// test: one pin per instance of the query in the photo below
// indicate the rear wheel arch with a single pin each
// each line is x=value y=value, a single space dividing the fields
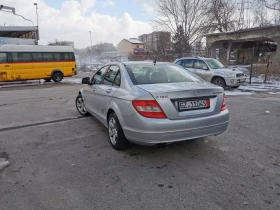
x=57 y=75
x=113 y=107
x=57 y=70
x=110 y=111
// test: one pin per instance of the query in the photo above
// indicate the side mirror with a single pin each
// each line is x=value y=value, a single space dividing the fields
x=205 y=68
x=86 y=80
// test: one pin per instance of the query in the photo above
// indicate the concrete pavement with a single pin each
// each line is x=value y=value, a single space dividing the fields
x=71 y=164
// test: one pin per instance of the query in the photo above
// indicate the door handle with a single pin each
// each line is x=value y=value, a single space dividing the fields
x=7 y=65
x=108 y=90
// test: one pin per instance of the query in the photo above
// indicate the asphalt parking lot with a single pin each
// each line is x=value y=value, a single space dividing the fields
x=60 y=161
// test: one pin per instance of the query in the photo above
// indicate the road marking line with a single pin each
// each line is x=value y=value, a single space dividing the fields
x=40 y=123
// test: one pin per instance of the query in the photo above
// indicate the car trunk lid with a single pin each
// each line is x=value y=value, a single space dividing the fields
x=170 y=96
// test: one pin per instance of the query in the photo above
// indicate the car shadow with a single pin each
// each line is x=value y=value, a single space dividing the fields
x=201 y=147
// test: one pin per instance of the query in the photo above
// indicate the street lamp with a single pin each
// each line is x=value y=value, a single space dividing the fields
x=90 y=43
x=36 y=5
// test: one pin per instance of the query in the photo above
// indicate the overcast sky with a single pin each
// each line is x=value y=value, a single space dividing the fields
x=71 y=20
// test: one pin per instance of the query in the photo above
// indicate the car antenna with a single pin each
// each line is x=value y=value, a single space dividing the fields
x=155 y=61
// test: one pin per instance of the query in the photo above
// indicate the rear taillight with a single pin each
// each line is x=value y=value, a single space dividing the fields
x=224 y=106
x=148 y=108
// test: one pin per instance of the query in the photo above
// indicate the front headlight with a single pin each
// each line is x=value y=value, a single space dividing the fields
x=231 y=75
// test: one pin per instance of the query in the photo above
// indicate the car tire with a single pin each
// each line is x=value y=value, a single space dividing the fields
x=57 y=77
x=116 y=134
x=81 y=106
x=48 y=80
x=219 y=81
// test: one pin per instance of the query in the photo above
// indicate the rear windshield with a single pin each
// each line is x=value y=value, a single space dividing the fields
x=159 y=73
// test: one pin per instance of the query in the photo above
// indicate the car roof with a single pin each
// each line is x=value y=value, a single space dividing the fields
x=143 y=62
x=197 y=57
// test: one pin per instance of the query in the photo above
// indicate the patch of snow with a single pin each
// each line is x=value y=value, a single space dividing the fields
x=238 y=93
x=3 y=163
x=259 y=88
x=273 y=93
x=267 y=112
x=72 y=80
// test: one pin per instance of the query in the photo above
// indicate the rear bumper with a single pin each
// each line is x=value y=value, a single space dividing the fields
x=237 y=81
x=147 y=131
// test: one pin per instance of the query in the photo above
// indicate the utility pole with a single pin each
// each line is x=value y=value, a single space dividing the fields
x=36 y=5
x=90 y=43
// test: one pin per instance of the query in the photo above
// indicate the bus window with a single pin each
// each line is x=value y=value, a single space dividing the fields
x=37 y=57
x=57 y=56
x=21 y=57
x=3 y=57
x=66 y=56
x=47 y=56
x=72 y=56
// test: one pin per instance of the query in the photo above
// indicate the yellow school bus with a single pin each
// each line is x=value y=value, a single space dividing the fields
x=28 y=62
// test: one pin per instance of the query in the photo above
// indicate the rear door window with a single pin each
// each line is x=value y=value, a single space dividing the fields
x=3 y=57
x=199 y=64
x=187 y=63
x=117 y=81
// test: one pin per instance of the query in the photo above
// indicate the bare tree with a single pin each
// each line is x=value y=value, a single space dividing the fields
x=272 y=4
x=56 y=42
x=191 y=14
x=221 y=15
x=264 y=15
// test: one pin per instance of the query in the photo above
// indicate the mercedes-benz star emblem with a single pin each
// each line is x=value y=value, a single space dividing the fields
x=196 y=93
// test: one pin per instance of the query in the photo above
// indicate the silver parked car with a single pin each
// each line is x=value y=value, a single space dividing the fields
x=211 y=70
x=152 y=103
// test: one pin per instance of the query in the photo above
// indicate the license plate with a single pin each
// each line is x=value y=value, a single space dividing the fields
x=242 y=80
x=191 y=105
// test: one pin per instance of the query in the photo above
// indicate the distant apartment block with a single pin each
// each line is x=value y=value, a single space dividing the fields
x=130 y=46
x=155 y=40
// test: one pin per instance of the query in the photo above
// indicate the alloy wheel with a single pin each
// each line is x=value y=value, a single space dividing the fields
x=113 y=131
x=81 y=106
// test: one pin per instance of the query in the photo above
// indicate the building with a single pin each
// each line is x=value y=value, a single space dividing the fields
x=130 y=46
x=110 y=54
x=26 y=35
x=103 y=47
x=156 y=40
x=245 y=43
x=62 y=43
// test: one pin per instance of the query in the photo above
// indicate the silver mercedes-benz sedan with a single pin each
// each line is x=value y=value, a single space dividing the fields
x=152 y=103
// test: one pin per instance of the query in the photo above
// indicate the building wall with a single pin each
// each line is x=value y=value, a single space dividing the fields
x=125 y=47
x=152 y=40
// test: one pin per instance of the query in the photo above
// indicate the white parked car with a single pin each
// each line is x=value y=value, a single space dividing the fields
x=213 y=71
